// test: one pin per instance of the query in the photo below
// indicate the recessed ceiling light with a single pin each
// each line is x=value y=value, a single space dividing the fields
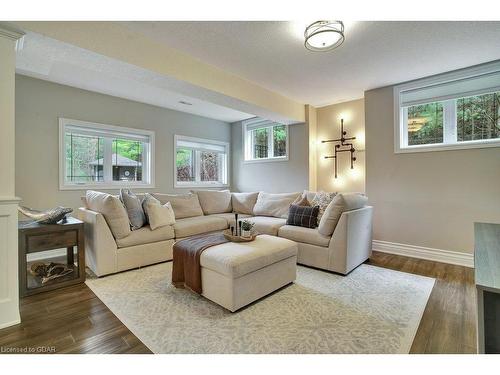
x=185 y=103
x=322 y=36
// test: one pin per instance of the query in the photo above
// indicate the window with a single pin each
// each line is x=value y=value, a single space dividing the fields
x=456 y=110
x=200 y=162
x=104 y=156
x=265 y=140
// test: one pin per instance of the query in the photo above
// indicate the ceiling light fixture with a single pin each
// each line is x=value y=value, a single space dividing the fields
x=322 y=36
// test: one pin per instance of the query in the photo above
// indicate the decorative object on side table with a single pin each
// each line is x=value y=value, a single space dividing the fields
x=50 y=216
x=36 y=238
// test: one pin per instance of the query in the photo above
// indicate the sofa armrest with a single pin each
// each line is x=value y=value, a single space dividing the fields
x=100 y=245
x=351 y=242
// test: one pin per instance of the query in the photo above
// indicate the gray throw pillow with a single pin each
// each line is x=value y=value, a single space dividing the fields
x=133 y=205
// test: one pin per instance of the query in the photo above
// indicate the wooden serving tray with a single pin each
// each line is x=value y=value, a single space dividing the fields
x=230 y=237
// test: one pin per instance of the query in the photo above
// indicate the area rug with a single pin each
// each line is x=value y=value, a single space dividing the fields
x=372 y=310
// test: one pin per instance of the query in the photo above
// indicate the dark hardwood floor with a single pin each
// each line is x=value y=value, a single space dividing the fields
x=74 y=320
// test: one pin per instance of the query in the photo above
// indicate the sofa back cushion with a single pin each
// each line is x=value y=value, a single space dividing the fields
x=303 y=216
x=113 y=211
x=275 y=205
x=339 y=204
x=184 y=205
x=243 y=203
x=213 y=201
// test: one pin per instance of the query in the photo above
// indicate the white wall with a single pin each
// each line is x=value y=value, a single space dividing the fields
x=276 y=176
x=428 y=199
x=39 y=104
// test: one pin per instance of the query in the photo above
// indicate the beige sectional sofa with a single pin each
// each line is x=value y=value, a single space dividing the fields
x=111 y=249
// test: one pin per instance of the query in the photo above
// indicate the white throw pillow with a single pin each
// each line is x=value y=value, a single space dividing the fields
x=214 y=201
x=322 y=199
x=339 y=204
x=243 y=203
x=275 y=205
x=113 y=211
x=184 y=205
x=158 y=215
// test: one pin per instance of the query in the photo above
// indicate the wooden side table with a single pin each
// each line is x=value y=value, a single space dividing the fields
x=35 y=238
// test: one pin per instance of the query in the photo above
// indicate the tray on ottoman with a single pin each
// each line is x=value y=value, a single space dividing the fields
x=236 y=274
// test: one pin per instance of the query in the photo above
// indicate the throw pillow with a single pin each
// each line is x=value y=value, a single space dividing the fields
x=339 y=204
x=158 y=215
x=303 y=216
x=184 y=205
x=134 y=209
x=274 y=205
x=302 y=201
x=213 y=201
x=243 y=203
x=113 y=211
x=322 y=199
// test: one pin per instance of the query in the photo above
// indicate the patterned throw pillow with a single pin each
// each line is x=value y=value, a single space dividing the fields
x=322 y=199
x=303 y=216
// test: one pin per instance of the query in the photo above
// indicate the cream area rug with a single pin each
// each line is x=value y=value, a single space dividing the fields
x=372 y=310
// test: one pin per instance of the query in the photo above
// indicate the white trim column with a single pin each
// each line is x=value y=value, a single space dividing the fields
x=10 y=40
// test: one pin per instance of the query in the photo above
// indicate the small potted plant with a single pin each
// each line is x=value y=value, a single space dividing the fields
x=246 y=228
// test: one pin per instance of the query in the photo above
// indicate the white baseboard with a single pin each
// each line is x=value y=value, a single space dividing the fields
x=420 y=252
x=49 y=254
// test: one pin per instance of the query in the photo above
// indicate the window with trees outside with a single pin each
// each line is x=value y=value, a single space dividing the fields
x=265 y=140
x=104 y=156
x=455 y=113
x=200 y=162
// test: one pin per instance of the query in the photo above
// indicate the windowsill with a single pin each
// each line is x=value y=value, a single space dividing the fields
x=264 y=160
x=201 y=185
x=449 y=146
x=107 y=186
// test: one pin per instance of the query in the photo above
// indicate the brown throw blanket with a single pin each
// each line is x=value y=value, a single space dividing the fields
x=186 y=268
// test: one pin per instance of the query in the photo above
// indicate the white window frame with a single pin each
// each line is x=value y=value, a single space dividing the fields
x=197 y=183
x=247 y=143
x=148 y=164
x=449 y=113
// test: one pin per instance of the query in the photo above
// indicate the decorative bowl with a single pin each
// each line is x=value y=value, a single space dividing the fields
x=232 y=238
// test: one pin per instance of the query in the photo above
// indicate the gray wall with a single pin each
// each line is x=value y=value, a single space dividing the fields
x=39 y=104
x=276 y=176
x=428 y=199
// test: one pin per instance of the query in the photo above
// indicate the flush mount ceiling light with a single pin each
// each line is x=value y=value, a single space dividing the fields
x=322 y=36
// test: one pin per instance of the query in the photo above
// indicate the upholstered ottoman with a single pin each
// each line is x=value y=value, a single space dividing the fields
x=236 y=274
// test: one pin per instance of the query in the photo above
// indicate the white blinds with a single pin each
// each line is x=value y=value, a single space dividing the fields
x=257 y=122
x=104 y=133
x=202 y=146
x=476 y=85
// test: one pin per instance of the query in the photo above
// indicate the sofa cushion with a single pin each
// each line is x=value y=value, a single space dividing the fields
x=158 y=215
x=113 y=211
x=213 y=201
x=304 y=235
x=275 y=205
x=133 y=205
x=184 y=205
x=229 y=217
x=322 y=199
x=146 y=235
x=234 y=259
x=267 y=225
x=303 y=216
x=200 y=224
x=243 y=203
x=339 y=204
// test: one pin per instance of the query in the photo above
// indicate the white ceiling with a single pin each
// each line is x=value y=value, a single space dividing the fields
x=374 y=54
x=59 y=62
